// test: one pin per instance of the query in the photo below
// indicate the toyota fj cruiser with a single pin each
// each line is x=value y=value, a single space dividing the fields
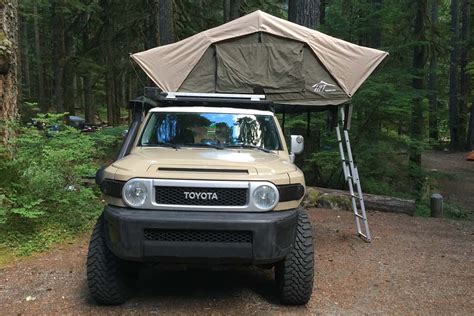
x=203 y=185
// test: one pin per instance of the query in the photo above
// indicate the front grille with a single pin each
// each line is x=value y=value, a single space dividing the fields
x=201 y=196
x=210 y=236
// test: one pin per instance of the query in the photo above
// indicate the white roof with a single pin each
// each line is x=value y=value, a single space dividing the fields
x=206 y=109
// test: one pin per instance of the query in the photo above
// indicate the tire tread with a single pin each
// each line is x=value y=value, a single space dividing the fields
x=105 y=277
x=295 y=274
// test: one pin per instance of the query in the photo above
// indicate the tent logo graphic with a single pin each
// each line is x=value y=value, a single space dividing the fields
x=324 y=87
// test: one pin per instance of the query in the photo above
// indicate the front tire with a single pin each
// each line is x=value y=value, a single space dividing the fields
x=294 y=275
x=105 y=272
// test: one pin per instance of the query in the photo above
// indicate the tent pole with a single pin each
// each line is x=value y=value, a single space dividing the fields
x=348 y=116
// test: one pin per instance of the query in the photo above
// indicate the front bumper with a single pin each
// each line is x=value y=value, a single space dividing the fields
x=180 y=236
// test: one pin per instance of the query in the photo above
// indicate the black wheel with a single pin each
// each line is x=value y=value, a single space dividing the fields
x=106 y=273
x=294 y=275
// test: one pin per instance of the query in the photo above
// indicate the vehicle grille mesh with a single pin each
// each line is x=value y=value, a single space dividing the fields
x=210 y=236
x=201 y=196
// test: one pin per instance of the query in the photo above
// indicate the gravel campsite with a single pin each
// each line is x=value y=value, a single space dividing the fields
x=413 y=266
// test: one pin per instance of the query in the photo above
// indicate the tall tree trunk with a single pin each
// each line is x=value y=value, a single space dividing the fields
x=152 y=24
x=433 y=78
x=8 y=66
x=59 y=52
x=39 y=62
x=111 y=62
x=465 y=78
x=304 y=12
x=68 y=78
x=234 y=10
x=453 y=78
x=226 y=10
x=470 y=133
x=419 y=60
x=376 y=40
x=117 y=97
x=25 y=60
x=110 y=83
x=166 y=23
x=87 y=77
x=89 y=108
x=123 y=87
x=110 y=95
x=79 y=87
x=322 y=11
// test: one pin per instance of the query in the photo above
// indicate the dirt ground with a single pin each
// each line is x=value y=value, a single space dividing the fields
x=457 y=183
x=413 y=266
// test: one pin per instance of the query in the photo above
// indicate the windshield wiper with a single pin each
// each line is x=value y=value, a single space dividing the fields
x=249 y=146
x=203 y=145
x=166 y=144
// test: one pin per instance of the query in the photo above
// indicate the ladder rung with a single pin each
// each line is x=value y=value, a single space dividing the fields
x=364 y=237
x=351 y=176
x=360 y=216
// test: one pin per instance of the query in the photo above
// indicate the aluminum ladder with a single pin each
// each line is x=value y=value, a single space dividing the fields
x=351 y=176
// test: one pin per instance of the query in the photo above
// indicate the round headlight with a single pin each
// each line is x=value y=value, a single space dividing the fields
x=265 y=197
x=135 y=193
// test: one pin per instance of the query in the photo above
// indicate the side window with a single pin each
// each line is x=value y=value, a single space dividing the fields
x=149 y=131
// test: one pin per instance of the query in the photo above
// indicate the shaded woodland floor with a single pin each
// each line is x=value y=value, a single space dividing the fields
x=456 y=180
x=413 y=266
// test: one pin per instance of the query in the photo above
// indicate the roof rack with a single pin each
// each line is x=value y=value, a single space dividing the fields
x=251 y=97
x=253 y=101
x=154 y=96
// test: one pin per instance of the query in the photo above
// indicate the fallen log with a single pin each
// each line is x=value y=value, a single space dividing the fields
x=337 y=199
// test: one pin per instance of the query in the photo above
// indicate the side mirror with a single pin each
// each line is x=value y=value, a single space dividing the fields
x=297 y=146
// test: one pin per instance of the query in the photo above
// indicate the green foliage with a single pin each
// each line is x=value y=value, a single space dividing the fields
x=326 y=167
x=470 y=68
x=423 y=208
x=43 y=196
x=450 y=210
x=455 y=211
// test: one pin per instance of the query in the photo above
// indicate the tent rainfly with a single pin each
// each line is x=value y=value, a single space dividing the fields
x=260 y=53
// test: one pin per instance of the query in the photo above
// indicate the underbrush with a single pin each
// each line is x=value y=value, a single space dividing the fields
x=450 y=210
x=382 y=163
x=44 y=198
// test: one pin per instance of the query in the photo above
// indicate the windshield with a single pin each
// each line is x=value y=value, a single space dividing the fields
x=211 y=130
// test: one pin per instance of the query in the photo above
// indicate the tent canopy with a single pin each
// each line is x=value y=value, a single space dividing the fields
x=289 y=63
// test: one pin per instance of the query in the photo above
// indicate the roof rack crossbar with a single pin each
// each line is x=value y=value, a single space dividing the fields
x=251 y=97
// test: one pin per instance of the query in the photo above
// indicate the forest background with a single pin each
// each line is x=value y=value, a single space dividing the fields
x=59 y=56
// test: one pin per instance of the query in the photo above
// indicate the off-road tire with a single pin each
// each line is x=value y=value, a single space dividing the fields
x=294 y=275
x=106 y=273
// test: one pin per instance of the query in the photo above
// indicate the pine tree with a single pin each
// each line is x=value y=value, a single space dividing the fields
x=8 y=65
x=453 y=77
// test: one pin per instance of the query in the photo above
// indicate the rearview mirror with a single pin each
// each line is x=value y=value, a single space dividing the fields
x=296 y=146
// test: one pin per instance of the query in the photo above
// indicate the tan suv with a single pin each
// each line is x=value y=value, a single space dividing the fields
x=212 y=186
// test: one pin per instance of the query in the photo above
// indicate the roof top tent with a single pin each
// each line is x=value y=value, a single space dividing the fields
x=259 y=53
x=297 y=69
